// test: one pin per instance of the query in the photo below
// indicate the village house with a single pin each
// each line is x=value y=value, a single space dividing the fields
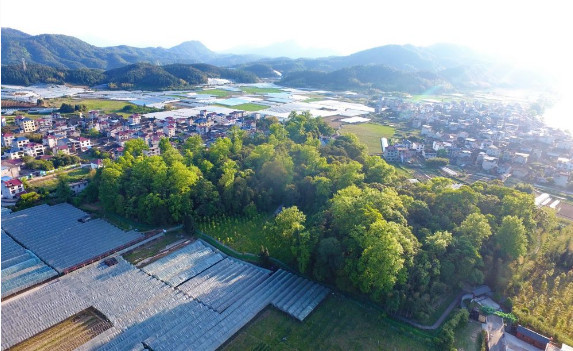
x=78 y=187
x=169 y=130
x=429 y=153
x=152 y=151
x=561 y=179
x=531 y=337
x=520 y=158
x=134 y=119
x=20 y=142
x=7 y=139
x=34 y=149
x=493 y=151
x=49 y=141
x=10 y=169
x=64 y=149
x=25 y=124
x=12 y=188
x=95 y=164
x=14 y=154
x=85 y=144
x=489 y=163
x=44 y=123
x=564 y=164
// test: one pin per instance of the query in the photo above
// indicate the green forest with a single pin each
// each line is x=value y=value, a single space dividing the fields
x=135 y=76
x=348 y=219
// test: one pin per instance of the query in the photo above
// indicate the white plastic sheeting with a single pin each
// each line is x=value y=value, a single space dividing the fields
x=56 y=236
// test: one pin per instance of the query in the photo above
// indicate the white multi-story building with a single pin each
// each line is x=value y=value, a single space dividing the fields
x=12 y=188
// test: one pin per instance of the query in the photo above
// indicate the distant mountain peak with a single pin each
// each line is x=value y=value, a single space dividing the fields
x=64 y=51
x=14 y=33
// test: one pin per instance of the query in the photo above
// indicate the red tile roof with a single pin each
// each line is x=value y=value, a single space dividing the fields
x=13 y=182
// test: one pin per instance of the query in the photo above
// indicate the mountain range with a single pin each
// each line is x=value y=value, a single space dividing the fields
x=400 y=67
x=62 y=51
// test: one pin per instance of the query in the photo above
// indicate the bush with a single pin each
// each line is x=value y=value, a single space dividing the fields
x=437 y=162
x=483 y=341
x=445 y=339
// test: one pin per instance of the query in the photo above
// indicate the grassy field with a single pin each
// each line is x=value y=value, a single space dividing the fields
x=216 y=92
x=249 y=107
x=337 y=324
x=261 y=91
x=67 y=335
x=50 y=182
x=467 y=338
x=78 y=174
x=369 y=134
x=245 y=235
x=109 y=106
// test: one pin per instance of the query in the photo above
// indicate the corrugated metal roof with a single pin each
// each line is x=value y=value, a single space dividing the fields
x=531 y=334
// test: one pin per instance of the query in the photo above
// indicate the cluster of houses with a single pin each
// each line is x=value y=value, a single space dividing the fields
x=111 y=131
x=501 y=336
x=500 y=139
x=58 y=135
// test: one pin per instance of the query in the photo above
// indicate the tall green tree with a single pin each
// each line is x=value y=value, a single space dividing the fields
x=135 y=147
x=476 y=228
x=511 y=237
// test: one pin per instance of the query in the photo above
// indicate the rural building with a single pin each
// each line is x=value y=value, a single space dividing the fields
x=532 y=337
x=14 y=154
x=12 y=188
x=20 y=142
x=489 y=163
x=78 y=187
x=10 y=170
x=520 y=158
x=7 y=139
x=27 y=125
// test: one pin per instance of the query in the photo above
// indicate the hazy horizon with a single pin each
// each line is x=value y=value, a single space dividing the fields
x=523 y=32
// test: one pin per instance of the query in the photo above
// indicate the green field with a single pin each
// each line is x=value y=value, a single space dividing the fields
x=338 y=323
x=262 y=91
x=244 y=235
x=313 y=99
x=369 y=134
x=216 y=92
x=467 y=337
x=249 y=107
x=51 y=182
x=109 y=106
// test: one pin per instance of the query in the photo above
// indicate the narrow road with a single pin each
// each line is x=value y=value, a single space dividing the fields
x=440 y=320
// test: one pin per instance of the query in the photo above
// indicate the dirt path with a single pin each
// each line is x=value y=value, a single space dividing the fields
x=440 y=320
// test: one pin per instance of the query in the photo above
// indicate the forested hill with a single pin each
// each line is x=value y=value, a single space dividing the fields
x=390 y=67
x=385 y=78
x=136 y=76
x=351 y=220
x=361 y=78
x=66 y=52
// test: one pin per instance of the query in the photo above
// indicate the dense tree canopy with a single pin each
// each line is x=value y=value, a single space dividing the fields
x=347 y=218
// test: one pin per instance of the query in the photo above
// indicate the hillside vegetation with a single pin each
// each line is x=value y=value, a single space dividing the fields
x=407 y=68
x=67 y=52
x=349 y=219
x=136 y=76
